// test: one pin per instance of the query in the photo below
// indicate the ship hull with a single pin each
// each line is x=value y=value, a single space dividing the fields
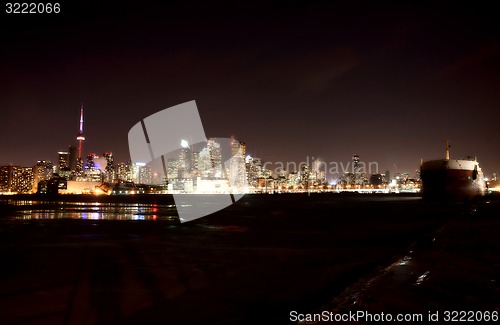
x=452 y=180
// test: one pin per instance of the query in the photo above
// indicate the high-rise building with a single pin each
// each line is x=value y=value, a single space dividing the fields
x=109 y=170
x=237 y=169
x=17 y=179
x=92 y=170
x=145 y=175
x=72 y=156
x=43 y=171
x=184 y=162
x=5 y=179
x=357 y=170
x=195 y=170
x=293 y=179
x=317 y=175
x=23 y=181
x=215 y=158
x=63 y=161
x=355 y=163
x=79 y=168
x=347 y=179
x=243 y=147
x=123 y=171
x=135 y=169
x=67 y=163
x=90 y=160
x=210 y=160
x=304 y=175
x=253 y=169
x=172 y=169
x=204 y=163
x=387 y=176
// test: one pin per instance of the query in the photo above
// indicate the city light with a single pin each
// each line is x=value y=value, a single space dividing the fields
x=198 y=170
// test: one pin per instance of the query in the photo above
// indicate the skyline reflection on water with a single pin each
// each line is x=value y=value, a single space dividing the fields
x=32 y=210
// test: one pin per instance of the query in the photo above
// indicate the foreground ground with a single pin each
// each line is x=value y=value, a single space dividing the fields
x=251 y=263
x=452 y=273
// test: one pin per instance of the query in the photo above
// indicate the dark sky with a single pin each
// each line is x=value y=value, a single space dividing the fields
x=387 y=81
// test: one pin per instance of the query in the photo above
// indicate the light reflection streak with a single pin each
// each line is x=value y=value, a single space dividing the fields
x=422 y=278
x=94 y=211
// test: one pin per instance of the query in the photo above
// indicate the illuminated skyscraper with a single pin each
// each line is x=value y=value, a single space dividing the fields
x=43 y=171
x=317 y=175
x=110 y=167
x=79 y=167
x=67 y=163
x=304 y=175
x=16 y=179
x=355 y=163
x=123 y=171
x=237 y=169
x=184 y=162
x=93 y=170
x=293 y=179
x=243 y=147
x=210 y=160
x=135 y=171
x=357 y=170
x=172 y=169
x=195 y=157
x=63 y=161
x=145 y=175
x=253 y=169
x=215 y=158
x=24 y=180
x=5 y=178
x=91 y=161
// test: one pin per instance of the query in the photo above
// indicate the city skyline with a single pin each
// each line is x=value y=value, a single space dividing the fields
x=388 y=82
x=333 y=169
x=219 y=165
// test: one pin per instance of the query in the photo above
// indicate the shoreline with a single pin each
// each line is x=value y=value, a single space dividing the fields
x=155 y=198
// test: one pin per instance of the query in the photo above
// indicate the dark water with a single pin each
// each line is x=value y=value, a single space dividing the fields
x=254 y=262
x=33 y=210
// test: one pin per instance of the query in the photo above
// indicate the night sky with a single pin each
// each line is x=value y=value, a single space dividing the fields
x=387 y=81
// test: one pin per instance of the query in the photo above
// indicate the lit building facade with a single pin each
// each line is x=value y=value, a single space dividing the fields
x=237 y=168
x=109 y=170
x=123 y=171
x=254 y=170
x=44 y=170
x=145 y=175
x=172 y=169
x=17 y=179
x=62 y=161
x=304 y=175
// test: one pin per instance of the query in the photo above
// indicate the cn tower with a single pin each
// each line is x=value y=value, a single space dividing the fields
x=80 y=137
